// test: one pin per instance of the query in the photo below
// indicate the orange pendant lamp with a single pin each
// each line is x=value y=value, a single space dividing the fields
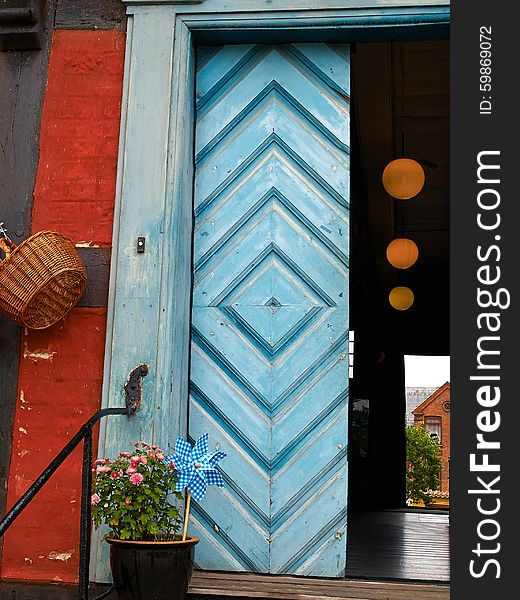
x=401 y=298
x=402 y=253
x=403 y=178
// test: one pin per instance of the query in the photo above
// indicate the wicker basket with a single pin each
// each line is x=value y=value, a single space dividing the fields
x=41 y=280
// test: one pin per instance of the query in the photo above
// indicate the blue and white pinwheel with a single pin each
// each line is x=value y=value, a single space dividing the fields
x=196 y=466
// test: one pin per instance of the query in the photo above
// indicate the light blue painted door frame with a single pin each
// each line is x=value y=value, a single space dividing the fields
x=149 y=299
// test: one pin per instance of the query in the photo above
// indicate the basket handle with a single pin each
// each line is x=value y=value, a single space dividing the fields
x=6 y=244
x=6 y=248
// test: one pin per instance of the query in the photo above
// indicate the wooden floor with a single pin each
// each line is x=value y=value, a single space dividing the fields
x=399 y=545
x=239 y=586
x=242 y=586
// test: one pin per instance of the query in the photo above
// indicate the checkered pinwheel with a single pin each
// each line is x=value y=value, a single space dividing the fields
x=196 y=466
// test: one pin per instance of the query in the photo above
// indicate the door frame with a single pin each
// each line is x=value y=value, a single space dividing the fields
x=149 y=311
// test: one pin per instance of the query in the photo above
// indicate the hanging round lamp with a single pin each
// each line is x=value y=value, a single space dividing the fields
x=401 y=298
x=402 y=253
x=403 y=178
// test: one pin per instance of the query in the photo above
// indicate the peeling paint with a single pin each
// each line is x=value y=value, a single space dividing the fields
x=28 y=560
x=60 y=555
x=84 y=244
x=34 y=355
x=22 y=430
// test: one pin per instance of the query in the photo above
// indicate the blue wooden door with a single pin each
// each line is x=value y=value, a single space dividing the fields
x=269 y=354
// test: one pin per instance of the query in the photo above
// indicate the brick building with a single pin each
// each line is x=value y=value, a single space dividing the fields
x=434 y=412
x=415 y=396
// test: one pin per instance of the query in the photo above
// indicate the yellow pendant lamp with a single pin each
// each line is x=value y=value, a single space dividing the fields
x=401 y=298
x=403 y=178
x=402 y=253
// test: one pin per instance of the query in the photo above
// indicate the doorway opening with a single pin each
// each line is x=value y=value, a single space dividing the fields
x=427 y=429
x=401 y=105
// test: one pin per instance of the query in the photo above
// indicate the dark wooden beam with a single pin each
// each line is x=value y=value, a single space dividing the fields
x=90 y=14
x=36 y=590
x=97 y=263
x=21 y=24
x=23 y=75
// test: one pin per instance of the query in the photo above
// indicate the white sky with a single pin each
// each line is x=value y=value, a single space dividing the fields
x=426 y=371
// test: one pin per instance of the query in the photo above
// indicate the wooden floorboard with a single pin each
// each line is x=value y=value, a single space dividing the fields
x=243 y=586
x=399 y=545
x=239 y=586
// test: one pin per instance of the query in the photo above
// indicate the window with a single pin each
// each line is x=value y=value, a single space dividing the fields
x=433 y=425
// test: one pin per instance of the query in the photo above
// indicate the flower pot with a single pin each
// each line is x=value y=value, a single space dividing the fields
x=146 y=570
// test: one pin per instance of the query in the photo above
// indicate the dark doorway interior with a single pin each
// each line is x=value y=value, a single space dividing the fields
x=400 y=99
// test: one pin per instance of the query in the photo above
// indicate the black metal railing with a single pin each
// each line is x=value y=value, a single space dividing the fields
x=133 y=401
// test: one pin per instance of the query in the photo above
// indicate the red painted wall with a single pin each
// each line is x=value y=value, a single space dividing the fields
x=79 y=136
x=61 y=368
x=59 y=388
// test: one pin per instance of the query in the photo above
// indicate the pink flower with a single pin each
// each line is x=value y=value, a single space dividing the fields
x=159 y=456
x=143 y=460
x=103 y=469
x=154 y=447
x=136 y=479
x=131 y=471
x=151 y=455
x=136 y=444
x=128 y=501
x=100 y=461
x=114 y=474
x=95 y=499
x=145 y=445
x=172 y=465
x=125 y=454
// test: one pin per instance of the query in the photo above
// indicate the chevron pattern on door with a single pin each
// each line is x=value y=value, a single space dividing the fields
x=269 y=354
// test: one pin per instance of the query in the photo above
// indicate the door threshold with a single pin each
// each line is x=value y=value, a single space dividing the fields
x=207 y=585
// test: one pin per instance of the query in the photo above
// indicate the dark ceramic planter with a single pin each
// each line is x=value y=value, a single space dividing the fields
x=151 y=570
